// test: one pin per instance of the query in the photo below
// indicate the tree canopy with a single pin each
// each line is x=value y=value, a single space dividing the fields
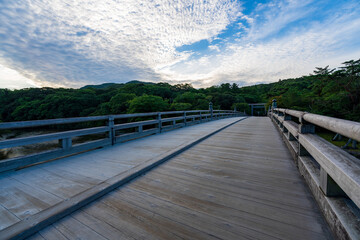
x=332 y=92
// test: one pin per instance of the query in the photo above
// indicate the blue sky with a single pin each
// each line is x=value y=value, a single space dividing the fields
x=63 y=43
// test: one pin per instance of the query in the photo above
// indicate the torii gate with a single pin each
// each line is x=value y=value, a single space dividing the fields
x=257 y=105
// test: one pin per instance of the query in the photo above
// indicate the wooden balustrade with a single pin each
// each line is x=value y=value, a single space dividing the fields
x=331 y=173
x=115 y=132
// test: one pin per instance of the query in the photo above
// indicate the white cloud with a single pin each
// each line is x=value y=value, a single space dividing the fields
x=214 y=48
x=56 y=39
x=11 y=79
x=252 y=60
x=73 y=43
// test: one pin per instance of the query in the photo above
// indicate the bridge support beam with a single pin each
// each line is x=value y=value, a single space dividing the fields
x=305 y=127
x=112 y=136
x=66 y=143
x=328 y=186
x=159 y=122
x=328 y=170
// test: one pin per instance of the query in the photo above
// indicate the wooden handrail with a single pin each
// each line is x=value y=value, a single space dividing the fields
x=329 y=170
x=179 y=119
x=346 y=128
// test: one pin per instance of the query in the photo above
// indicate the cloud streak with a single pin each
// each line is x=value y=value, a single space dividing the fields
x=90 y=41
x=279 y=52
x=73 y=43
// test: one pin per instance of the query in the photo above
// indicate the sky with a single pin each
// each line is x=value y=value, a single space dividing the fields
x=72 y=43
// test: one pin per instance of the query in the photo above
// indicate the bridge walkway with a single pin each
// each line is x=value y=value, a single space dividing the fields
x=240 y=183
x=30 y=191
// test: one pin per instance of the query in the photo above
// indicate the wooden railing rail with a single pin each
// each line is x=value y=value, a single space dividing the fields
x=346 y=128
x=331 y=172
x=112 y=131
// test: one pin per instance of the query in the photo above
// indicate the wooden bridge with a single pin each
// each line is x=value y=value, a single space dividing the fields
x=233 y=178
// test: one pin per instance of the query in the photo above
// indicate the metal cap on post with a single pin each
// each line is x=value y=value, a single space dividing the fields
x=274 y=104
x=211 y=109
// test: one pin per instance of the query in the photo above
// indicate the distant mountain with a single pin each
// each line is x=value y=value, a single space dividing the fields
x=107 y=85
x=137 y=81
x=100 y=86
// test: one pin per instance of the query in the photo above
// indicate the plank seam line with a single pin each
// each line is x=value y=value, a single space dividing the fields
x=38 y=221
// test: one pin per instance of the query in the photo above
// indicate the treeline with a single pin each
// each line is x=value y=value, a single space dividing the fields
x=332 y=92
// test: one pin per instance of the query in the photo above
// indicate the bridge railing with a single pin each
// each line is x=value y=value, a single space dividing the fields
x=331 y=172
x=136 y=125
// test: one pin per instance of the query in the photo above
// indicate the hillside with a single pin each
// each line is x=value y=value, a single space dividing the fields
x=332 y=92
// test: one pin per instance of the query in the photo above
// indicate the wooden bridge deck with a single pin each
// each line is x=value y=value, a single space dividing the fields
x=240 y=183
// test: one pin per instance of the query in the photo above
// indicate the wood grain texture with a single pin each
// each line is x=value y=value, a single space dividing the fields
x=112 y=167
x=238 y=184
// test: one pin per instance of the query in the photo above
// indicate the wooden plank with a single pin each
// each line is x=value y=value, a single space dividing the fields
x=37 y=123
x=51 y=233
x=88 y=167
x=292 y=127
x=36 y=236
x=221 y=177
x=54 y=184
x=73 y=229
x=74 y=176
x=140 y=223
x=135 y=124
x=23 y=200
x=222 y=209
x=195 y=196
x=38 y=221
x=7 y=218
x=343 y=220
x=51 y=136
x=99 y=226
x=15 y=163
x=234 y=178
x=268 y=200
x=135 y=135
x=346 y=128
x=115 y=218
x=340 y=165
x=200 y=221
x=266 y=166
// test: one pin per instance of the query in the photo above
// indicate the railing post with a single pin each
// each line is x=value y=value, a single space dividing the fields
x=287 y=117
x=305 y=127
x=200 y=117
x=66 y=143
x=274 y=104
x=185 y=122
x=111 y=130
x=211 y=110
x=328 y=186
x=159 y=120
x=140 y=129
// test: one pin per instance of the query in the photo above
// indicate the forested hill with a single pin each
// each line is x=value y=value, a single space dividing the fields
x=332 y=92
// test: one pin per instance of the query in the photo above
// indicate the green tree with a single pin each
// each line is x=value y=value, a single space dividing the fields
x=241 y=107
x=180 y=106
x=120 y=102
x=147 y=103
